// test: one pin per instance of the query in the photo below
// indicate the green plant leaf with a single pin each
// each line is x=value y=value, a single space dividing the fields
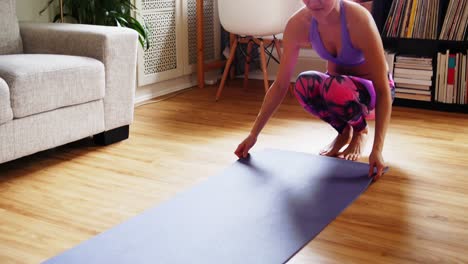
x=46 y=7
x=107 y=13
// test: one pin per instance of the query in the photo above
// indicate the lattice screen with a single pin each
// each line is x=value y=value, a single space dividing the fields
x=157 y=4
x=161 y=21
x=208 y=30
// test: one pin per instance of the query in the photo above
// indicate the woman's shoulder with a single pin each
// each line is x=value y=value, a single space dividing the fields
x=360 y=24
x=356 y=13
x=300 y=18
x=359 y=21
x=297 y=28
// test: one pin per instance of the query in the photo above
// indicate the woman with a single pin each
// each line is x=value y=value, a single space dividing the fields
x=357 y=81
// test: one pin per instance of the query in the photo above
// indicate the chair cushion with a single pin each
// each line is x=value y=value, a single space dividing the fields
x=40 y=82
x=6 y=114
x=10 y=39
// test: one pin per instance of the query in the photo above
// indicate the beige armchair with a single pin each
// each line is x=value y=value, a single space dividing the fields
x=63 y=82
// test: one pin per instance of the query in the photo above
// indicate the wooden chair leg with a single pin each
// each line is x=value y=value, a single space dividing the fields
x=232 y=39
x=276 y=42
x=248 y=60
x=226 y=69
x=264 y=65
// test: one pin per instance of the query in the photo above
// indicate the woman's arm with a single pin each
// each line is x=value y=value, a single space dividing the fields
x=369 y=41
x=279 y=88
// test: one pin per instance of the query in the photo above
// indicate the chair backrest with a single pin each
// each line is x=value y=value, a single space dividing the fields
x=10 y=39
x=256 y=17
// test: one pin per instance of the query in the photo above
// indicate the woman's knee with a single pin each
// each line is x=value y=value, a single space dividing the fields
x=338 y=90
x=307 y=91
x=308 y=81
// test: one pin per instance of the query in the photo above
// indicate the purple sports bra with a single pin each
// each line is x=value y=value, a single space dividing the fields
x=349 y=56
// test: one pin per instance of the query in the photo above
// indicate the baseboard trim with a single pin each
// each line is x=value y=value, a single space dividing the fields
x=148 y=92
x=258 y=75
x=303 y=64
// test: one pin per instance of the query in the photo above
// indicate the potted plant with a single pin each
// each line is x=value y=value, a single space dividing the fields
x=102 y=12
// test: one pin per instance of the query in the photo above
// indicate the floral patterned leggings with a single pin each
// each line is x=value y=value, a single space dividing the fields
x=338 y=99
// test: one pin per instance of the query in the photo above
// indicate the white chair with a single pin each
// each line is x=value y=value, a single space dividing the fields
x=257 y=21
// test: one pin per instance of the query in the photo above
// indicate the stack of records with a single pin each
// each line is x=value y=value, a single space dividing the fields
x=413 y=78
x=412 y=19
x=456 y=21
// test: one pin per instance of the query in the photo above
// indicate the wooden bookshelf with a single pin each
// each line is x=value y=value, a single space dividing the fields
x=423 y=48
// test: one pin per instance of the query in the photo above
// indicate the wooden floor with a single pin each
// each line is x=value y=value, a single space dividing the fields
x=417 y=213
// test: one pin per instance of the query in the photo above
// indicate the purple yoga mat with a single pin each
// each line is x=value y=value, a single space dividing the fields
x=262 y=209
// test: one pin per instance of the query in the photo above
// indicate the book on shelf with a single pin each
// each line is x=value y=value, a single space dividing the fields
x=452 y=78
x=413 y=63
x=413 y=60
x=390 y=58
x=414 y=91
x=400 y=80
x=411 y=72
x=412 y=19
x=414 y=86
x=418 y=97
x=412 y=66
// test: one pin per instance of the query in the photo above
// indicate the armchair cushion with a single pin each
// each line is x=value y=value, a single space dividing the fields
x=43 y=82
x=115 y=47
x=10 y=39
x=6 y=113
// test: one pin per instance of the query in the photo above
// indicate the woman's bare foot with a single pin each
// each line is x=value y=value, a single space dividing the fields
x=332 y=150
x=357 y=144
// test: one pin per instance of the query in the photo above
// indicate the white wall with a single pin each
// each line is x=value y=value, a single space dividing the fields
x=308 y=60
x=28 y=10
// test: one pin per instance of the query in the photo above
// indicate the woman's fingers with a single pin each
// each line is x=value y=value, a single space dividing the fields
x=240 y=150
x=380 y=169
x=371 y=169
x=246 y=151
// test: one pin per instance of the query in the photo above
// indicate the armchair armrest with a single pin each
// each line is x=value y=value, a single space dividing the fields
x=115 y=47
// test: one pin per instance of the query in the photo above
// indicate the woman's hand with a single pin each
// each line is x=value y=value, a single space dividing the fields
x=243 y=149
x=376 y=161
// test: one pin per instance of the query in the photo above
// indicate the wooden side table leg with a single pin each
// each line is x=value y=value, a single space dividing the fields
x=264 y=65
x=232 y=39
x=200 y=55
